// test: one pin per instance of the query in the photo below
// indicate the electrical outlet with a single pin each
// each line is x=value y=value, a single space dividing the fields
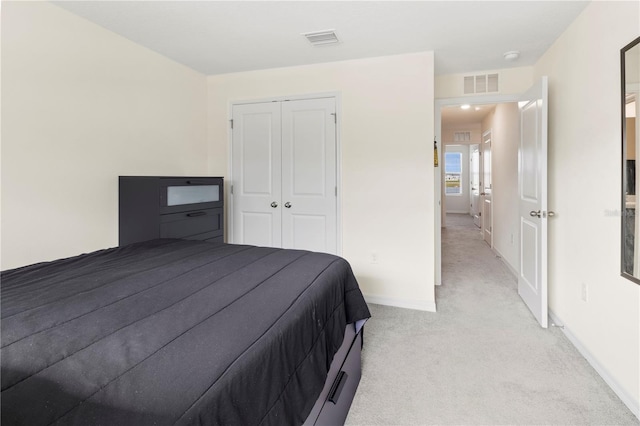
x=374 y=257
x=585 y=292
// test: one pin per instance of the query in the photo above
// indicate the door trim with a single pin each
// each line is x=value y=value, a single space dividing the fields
x=229 y=177
x=484 y=230
x=437 y=196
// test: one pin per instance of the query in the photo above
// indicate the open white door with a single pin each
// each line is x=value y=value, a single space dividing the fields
x=532 y=172
x=474 y=168
x=487 y=185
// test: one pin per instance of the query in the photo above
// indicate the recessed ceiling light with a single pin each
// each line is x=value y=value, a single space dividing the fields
x=465 y=106
x=511 y=56
x=319 y=38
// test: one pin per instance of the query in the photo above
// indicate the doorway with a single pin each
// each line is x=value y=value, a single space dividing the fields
x=476 y=126
x=518 y=192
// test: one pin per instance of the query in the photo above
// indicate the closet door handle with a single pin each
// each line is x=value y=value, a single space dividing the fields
x=274 y=204
x=287 y=205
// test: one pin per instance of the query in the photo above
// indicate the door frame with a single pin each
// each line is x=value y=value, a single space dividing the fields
x=483 y=180
x=439 y=171
x=474 y=203
x=337 y=96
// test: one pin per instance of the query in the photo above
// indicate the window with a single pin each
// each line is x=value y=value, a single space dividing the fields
x=453 y=173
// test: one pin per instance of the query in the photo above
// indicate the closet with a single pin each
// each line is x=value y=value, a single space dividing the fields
x=284 y=174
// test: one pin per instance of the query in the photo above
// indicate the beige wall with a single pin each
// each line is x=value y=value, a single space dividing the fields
x=386 y=131
x=583 y=66
x=448 y=136
x=504 y=123
x=81 y=106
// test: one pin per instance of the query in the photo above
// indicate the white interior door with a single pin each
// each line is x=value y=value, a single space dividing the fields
x=487 y=206
x=256 y=163
x=532 y=165
x=309 y=190
x=474 y=168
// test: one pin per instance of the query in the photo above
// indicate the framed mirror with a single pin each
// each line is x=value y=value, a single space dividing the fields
x=630 y=70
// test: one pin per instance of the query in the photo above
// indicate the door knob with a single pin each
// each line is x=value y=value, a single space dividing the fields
x=482 y=193
x=551 y=214
x=287 y=205
x=534 y=213
x=274 y=204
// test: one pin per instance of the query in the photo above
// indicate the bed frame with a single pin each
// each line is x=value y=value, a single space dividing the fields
x=332 y=406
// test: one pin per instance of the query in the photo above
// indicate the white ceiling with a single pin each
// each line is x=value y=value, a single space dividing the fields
x=216 y=37
x=455 y=116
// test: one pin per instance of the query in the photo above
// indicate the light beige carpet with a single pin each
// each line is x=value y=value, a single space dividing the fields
x=482 y=359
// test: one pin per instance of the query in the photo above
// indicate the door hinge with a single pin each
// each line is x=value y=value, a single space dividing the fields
x=336 y=188
x=231 y=121
x=335 y=117
x=231 y=189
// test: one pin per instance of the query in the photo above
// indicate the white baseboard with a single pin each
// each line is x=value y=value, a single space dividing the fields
x=420 y=305
x=624 y=396
x=511 y=268
x=459 y=212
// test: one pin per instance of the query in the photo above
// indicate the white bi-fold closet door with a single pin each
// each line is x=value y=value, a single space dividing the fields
x=285 y=175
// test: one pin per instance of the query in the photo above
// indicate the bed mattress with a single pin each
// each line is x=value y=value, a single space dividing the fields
x=173 y=332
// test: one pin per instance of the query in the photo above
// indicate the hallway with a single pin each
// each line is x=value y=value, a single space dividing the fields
x=536 y=373
x=481 y=359
x=468 y=263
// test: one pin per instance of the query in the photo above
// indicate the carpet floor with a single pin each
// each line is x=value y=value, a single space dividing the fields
x=482 y=359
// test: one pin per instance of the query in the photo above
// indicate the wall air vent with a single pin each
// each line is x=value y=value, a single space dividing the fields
x=483 y=83
x=320 y=38
x=461 y=136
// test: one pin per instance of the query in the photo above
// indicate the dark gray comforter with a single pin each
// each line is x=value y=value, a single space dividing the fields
x=173 y=332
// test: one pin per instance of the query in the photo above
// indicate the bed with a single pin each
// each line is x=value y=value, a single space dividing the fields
x=180 y=332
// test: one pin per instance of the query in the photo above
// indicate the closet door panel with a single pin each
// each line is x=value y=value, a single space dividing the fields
x=309 y=175
x=309 y=232
x=257 y=148
x=256 y=163
x=308 y=153
x=257 y=229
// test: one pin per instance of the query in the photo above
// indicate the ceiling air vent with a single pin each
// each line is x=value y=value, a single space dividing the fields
x=483 y=83
x=319 y=38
